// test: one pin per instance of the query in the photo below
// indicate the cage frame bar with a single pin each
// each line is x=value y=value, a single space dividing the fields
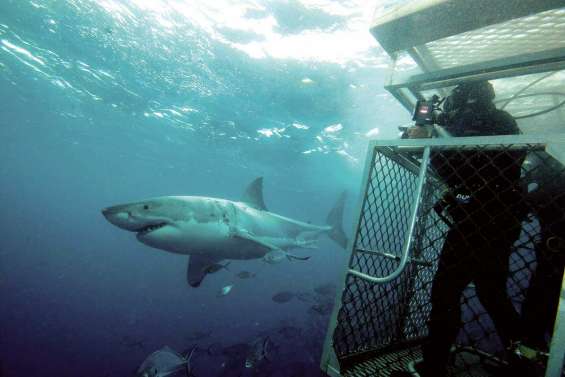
x=329 y=362
x=519 y=65
x=407 y=244
x=556 y=359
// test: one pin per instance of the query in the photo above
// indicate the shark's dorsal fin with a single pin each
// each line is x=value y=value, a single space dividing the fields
x=253 y=195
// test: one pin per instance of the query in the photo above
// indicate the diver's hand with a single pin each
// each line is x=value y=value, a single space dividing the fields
x=417 y=132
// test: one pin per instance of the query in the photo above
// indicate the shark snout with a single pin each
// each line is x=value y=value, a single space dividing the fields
x=110 y=211
x=135 y=217
x=112 y=214
x=120 y=217
x=116 y=212
x=115 y=209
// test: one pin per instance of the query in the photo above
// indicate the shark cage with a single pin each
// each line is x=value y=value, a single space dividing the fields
x=380 y=322
x=383 y=309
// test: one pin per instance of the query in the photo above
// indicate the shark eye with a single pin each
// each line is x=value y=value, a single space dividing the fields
x=145 y=206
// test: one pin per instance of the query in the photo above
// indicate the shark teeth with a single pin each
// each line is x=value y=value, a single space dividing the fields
x=151 y=228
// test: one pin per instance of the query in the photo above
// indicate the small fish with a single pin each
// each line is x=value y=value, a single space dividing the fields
x=225 y=290
x=259 y=351
x=210 y=269
x=165 y=362
x=245 y=275
x=274 y=256
x=277 y=256
x=282 y=297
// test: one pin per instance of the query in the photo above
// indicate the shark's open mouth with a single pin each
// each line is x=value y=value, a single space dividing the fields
x=150 y=228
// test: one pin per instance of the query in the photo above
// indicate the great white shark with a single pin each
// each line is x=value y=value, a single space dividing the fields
x=210 y=230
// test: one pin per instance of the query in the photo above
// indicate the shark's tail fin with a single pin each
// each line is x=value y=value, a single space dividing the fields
x=335 y=220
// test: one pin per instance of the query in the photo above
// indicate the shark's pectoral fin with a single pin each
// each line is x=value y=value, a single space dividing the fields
x=196 y=271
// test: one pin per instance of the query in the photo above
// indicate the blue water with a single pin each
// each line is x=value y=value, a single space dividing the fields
x=113 y=101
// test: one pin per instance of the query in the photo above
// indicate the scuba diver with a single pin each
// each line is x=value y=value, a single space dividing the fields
x=484 y=204
x=547 y=202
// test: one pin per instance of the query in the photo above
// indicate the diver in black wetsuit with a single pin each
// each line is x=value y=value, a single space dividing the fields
x=548 y=204
x=484 y=204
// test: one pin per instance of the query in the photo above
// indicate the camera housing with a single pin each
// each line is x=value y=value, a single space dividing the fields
x=427 y=112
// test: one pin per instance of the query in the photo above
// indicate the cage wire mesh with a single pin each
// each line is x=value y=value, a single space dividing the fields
x=533 y=33
x=488 y=214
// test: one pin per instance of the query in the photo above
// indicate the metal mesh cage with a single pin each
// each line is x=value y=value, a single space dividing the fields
x=481 y=223
x=534 y=33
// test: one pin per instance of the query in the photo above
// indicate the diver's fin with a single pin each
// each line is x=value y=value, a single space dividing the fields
x=253 y=195
x=335 y=220
x=196 y=270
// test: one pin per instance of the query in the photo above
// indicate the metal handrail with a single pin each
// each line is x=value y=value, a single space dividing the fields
x=384 y=254
x=412 y=225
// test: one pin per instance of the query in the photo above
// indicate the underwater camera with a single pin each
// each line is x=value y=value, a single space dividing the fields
x=427 y=112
